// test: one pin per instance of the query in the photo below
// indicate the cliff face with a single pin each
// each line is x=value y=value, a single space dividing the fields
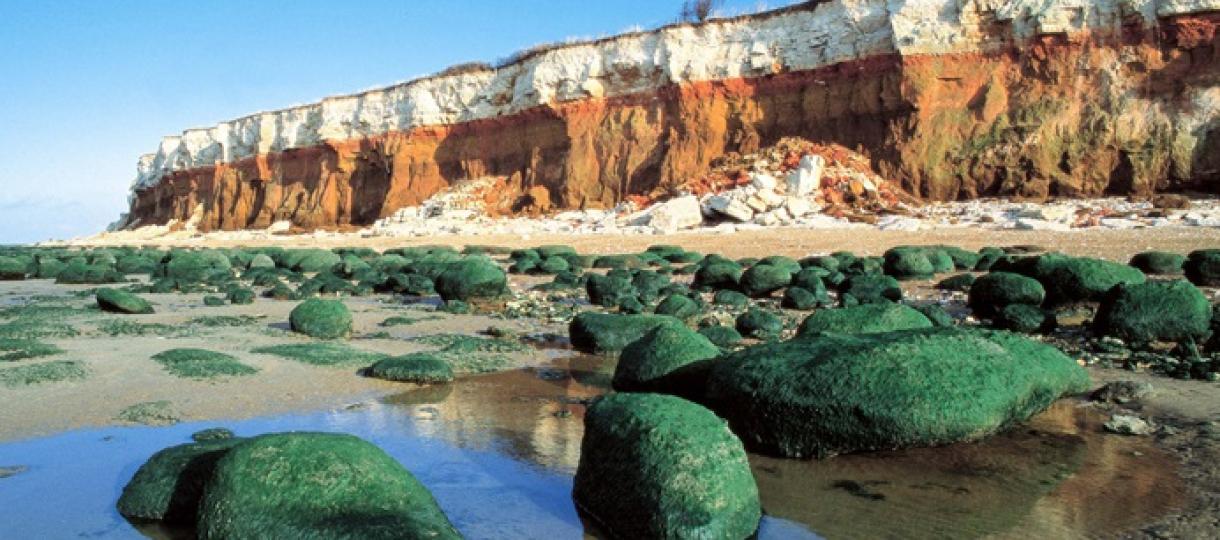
x=951 y=98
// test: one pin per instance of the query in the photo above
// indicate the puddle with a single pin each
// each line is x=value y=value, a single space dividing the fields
x=499 y=452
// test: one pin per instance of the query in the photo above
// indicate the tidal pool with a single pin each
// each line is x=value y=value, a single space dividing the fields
x=499 y=451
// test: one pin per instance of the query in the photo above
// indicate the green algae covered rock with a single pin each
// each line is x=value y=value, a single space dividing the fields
x=1158 y=262
x=800 y=299
x=679 y=306
x=213 y=301
x=721 y=336
x=991 y=292
x=936 y=314
x=12 y=269
x=1070 y=280
x=668 y=359
x=322 y=319
x=422 y=368
x=116 y=301
x=763 y=279
x=318 y=486
x=960 y=282
x=872 y=289
x=195 y=267
x=1202 y=267
x=169 y=485
x=833 y=394
x=909 y=263
x=79 y=273
x=865 y=319
x=731 y=298
x=657 y=466
x=472 y=279
x=311 y=260
x=1155 y=311
x=606 y=333
x=718 y=275
x=759 y=324
x=1025 y=319
x=241 y=296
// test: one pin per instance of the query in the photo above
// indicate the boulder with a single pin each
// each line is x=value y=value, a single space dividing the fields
x=609 y=290
x=241 y=296
x=1202 y=267
x=721 y=336
x=668 y=359
x=195 y=266
x=169 y=485
x=420 y=368
x=799 y=299
x=322 y=319
x=730 y=298
x=116 y=301
x=908 y=263
x=864 y=319
x=79 y=273
x=657 y=466
x=261 y=260
x=675 y=214
x=1158 y=262
x=960 y=283
x=936 y=314
x=832 y=394
x=318 y=486
x=763 y=279
x=991 y=292
x=718 y=275
x=609 y=333
x=872 y=289
x=311 y=260
x=1173 y=311
x=1025 y=319
x=730 y=208
x=678 y=306
x=1075 y=279
x=472 y=279
x=12 y=269
x=759 y=324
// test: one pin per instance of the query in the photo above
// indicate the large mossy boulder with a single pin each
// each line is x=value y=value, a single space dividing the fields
x=1174 y=311
x=1202 y=267
x=1024 y=319
x=871 y=289
x=420 y=368
x=990 y=293
x=759 y=324
x=116 y=301
x=169 y=485
x=13 y=269
x=658 y=466
x=908 y=263
x=669 y=359
x=865 y=319
x=1158 y=262
x=311 y=260
x=322 y=319
x=472 y=279
x=763 y=279
x=319 y=486
x=1069 y=280
x=678 y=306
x=832 y=394
x=610 y=333
x=718 y=275
x=80 y=273
x=195 y=266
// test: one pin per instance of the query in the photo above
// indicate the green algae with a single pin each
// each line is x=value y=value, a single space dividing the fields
x=201 y=364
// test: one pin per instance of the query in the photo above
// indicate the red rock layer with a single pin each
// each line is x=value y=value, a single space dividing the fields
x=1052 y=117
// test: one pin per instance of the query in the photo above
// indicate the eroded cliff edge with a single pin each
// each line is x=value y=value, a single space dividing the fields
x=951 y=98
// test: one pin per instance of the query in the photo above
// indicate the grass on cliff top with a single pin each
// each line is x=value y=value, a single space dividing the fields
x=150 y=413
x=322 y=354
x=46 y=372
x=21 y=349
x=201 y=364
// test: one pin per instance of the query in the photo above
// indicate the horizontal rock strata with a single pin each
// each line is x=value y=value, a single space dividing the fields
x=951 y=99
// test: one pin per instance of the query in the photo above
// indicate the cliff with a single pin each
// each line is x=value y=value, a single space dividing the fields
x=949 y=98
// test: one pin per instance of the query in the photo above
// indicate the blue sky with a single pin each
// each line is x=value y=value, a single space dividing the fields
x=89 y=85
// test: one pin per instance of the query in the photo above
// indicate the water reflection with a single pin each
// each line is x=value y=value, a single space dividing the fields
x=498 y=452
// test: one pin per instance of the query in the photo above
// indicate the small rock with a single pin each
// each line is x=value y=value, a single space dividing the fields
x=1125 y=424
x=763 y=182
x=679 y=213
x=1123 y=392
x=797 y=206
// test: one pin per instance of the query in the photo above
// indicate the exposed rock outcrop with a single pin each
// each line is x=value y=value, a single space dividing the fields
x=948 y=98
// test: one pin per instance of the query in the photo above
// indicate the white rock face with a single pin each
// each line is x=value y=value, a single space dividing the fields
x=731 y=208
x=833 y=32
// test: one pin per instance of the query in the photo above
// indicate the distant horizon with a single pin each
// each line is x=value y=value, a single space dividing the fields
x=96 y=88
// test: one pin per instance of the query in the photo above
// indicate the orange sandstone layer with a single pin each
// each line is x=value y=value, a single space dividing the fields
x=1058 y=115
